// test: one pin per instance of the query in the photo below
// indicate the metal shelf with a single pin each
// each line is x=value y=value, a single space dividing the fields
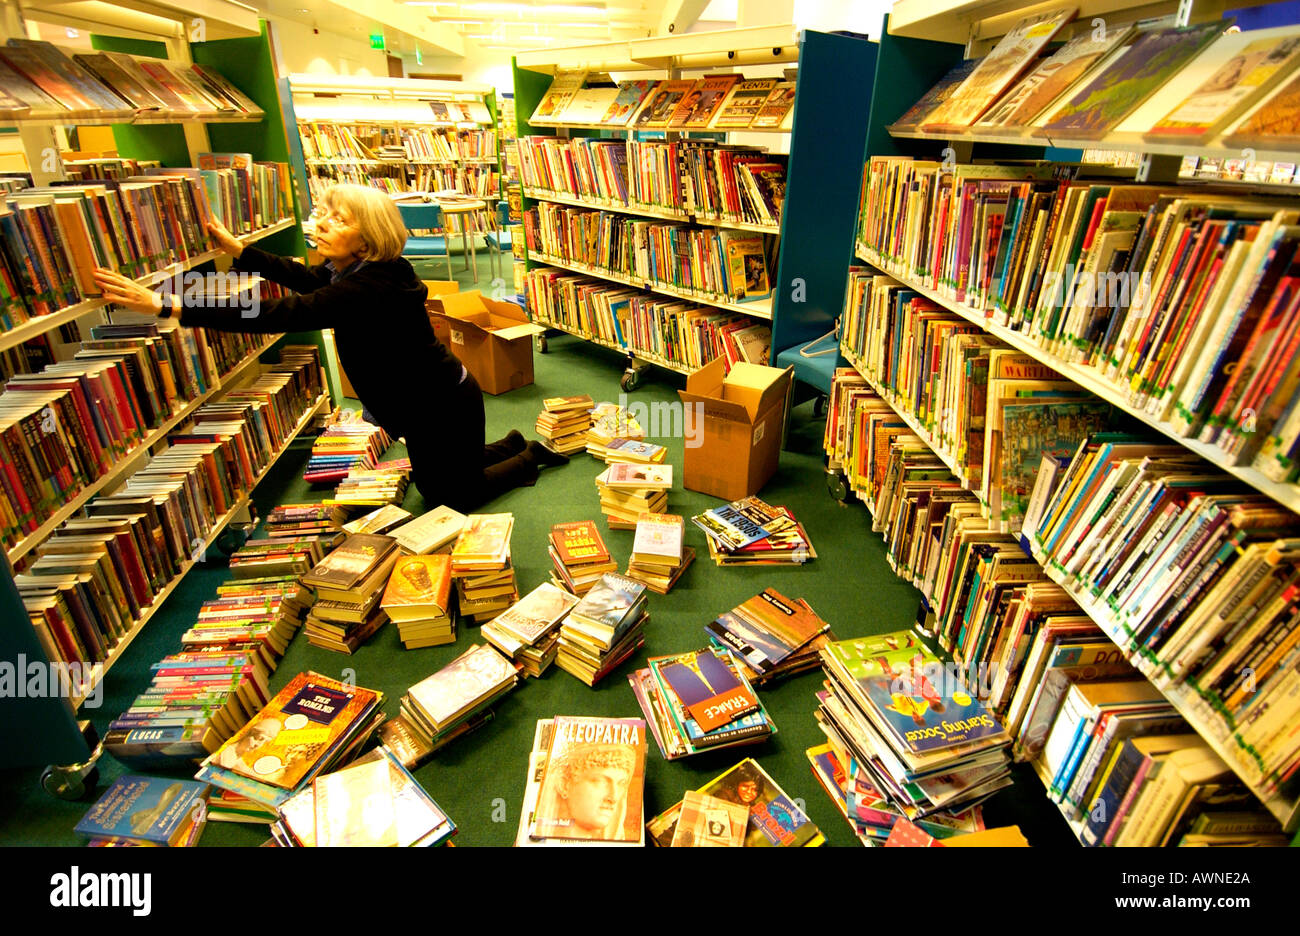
x=101 y=669
x=648 y=211
x=1288 y=495
x=44 y=323
x=761 y=309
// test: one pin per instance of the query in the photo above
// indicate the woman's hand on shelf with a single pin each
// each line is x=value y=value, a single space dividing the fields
x=128 y=293
x=225 y=240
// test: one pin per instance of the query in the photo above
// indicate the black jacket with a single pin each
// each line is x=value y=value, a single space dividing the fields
x=384 y=338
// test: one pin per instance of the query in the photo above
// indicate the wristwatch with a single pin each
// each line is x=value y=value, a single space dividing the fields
x=167 y=306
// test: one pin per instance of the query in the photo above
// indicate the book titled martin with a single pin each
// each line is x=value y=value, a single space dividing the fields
x=593 y=788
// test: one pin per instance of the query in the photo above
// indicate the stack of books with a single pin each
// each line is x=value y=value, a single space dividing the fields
x=910 y=729
x=348 y=584
x=481 y=567
x=313 y=725
x=751 y=532
x=194 y=703
x=147 y=811
x=304 y=520
x=563 y=423
x=432 y=532
x=609 y=421
x=378 y=521
x=372 y=802
x=632 y=451
x=572 y=755
x=418 y=601
x=276 y=557
x=605 y=628
x=528 y=631
x=699 y=701
x=385 y=483
x=627 y=491
x=579 y=556
x=772 y=635
x=659 y=556
x=250 y=615
x=410 y=747
x=773 y=819
x=343 y=446
x=442 y=706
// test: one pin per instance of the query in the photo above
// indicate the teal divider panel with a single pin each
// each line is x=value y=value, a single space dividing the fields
x=33 y=731
x=822 y=183
x=905 y=70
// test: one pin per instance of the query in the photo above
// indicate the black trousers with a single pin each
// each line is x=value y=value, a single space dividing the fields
x=450 y=464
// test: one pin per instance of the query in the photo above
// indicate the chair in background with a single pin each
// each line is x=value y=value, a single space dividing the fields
x=425 y=217
x=499 y=237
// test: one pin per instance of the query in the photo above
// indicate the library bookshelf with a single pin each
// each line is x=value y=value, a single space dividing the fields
x=822 y=143
x=919 y=44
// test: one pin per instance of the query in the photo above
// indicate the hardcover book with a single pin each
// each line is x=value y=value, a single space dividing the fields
x=420 y=585
x=774 y=110
x=352 y=563
x=579 y=543
x=743 y=104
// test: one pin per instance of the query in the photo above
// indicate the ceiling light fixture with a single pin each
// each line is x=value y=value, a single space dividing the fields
x=582 y=9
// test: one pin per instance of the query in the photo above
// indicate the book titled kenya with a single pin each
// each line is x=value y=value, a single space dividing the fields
x=594 y=784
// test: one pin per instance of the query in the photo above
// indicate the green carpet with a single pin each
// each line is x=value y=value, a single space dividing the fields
x=479 y=779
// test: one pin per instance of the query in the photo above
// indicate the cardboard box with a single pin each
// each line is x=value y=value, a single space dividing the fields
x=494 y=340
x=737 y=445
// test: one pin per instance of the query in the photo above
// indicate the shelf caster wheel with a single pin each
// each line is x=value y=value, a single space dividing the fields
x=819 y=407
x=837 y=485
x=541 y=344
x=630 y=380
x=70 y=783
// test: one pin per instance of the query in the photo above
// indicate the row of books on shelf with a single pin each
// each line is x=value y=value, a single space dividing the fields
x=71 y=423
x=689 y=177
x=482 y=181
x=668 y=330
x=1259 y=172
x=329 y=140
x=1180 y=302
x=1160 y=82
x=713 y=263
x=98 y=573
x=52 y=238
x=716 y=102
x=997 y=609
x=39 y=80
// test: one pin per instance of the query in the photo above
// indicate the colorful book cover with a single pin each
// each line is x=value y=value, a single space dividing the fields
x=473 y=675
x=736 y=524
x=1051 y=78
x=594 y=783
x=1243 y=79
x=1018 y=47
x=282 y=744
x=766 y=629
x=639 y=477
x=485 y=537
x=1149 y=63
x=710 y=691
x=1274 y=123
x=609 y=601
x=666 y=97
x=696 y=114
x=146 y=809
x=746 y=100
x=919 y=112
x=1032 y=430
x=659 y=539
x=630 y=95
x=633 y=448
x=537 y=612
x=777 y=105
x=579 y=543
x=709 y=822
x=419 y=580
x=774 y=819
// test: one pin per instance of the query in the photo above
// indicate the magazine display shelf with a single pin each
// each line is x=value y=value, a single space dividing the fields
x=825 y=149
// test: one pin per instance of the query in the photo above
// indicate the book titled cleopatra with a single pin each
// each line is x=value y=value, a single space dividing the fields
x=283 y=744
x=579 y=543
x=594 y=784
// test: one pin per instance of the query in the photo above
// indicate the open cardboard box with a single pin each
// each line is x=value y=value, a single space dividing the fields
x=735 y=449
x=494 y=340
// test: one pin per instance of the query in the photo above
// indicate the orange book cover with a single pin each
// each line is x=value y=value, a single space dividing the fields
x=419 y=580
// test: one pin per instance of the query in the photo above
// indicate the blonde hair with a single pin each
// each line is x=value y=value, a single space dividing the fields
x=377 y=218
